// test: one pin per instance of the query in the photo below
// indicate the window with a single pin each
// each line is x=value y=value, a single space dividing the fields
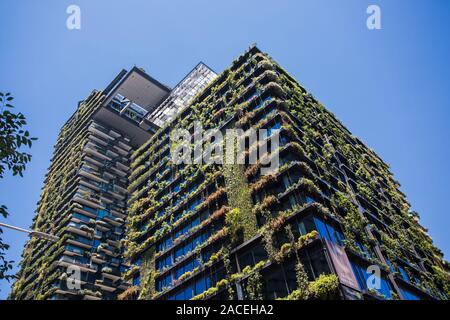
x=164 y=282
x=305 y=225
x=274 y=127
x=262 y=102
x=200 y=286
x=362 y=275
x=328 y=232
x=136 y=280
x=191 y=265
x=164 y=262
x=403 y=274
x=408 y=295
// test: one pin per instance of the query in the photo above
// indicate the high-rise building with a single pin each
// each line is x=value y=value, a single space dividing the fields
x=84 y=198
x=329 y=222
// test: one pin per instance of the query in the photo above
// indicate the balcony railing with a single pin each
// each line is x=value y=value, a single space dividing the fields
x=127 y=108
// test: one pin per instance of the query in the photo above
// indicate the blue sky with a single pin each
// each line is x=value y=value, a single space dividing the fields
x=388 y=86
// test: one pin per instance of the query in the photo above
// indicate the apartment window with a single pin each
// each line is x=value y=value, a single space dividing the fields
x=137 y=280
x=191 y=265
x=273 y=128
x=328 y=232
x=164 y=244
x=252 y=256
x=408 y=295
x=276 y=285
x=74 y=249
x=164 y=282
x=164 y=262
x=261 y=103
x=202 y=285
x=404 y=274
x=362 y=275
x=81 y=217
x=283 y=140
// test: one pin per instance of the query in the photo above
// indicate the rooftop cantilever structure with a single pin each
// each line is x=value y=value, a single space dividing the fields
x=128 y=99
x=139 y=104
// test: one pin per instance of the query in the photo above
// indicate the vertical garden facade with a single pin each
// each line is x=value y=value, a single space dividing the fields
x=315 y=228
x=84 y=198
x=132 y=223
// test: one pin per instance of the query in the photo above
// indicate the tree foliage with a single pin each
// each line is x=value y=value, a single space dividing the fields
x=13 y=139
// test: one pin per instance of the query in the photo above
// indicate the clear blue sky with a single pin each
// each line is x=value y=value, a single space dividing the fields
x=390 y=87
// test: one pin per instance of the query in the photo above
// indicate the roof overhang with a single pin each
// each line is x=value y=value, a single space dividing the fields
x=140 y=88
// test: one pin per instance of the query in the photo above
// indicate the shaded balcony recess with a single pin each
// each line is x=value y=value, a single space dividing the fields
x=129 y=98
x=138 y=87
x=127 y=108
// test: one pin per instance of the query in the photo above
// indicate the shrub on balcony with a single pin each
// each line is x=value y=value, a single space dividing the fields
x=277 y=223
x=266 y=64
x=268 y=75
x=88 y=292
x=107 y=270
x=310 y=187
x=211 y=291
x=131 y=293
x=214 y=258
x=252 y=170
x=222 y=284
x=304 y=239
x=263 y=182
x=325 y=287
x=297 y=149
x=265 y=205
x=365 y=191
x=220 y=213
x=86 y=229
x=213 y=197
x=184 y=276
x=285 y=251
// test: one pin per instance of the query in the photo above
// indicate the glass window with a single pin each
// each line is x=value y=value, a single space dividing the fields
x=403 y=274
x=408 y=295
x=200 y=286
x=322 y=229
x=136 y=280
x=362 y=275
x=328 y=232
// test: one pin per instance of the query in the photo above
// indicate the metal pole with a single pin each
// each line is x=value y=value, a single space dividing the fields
x=32 y=233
